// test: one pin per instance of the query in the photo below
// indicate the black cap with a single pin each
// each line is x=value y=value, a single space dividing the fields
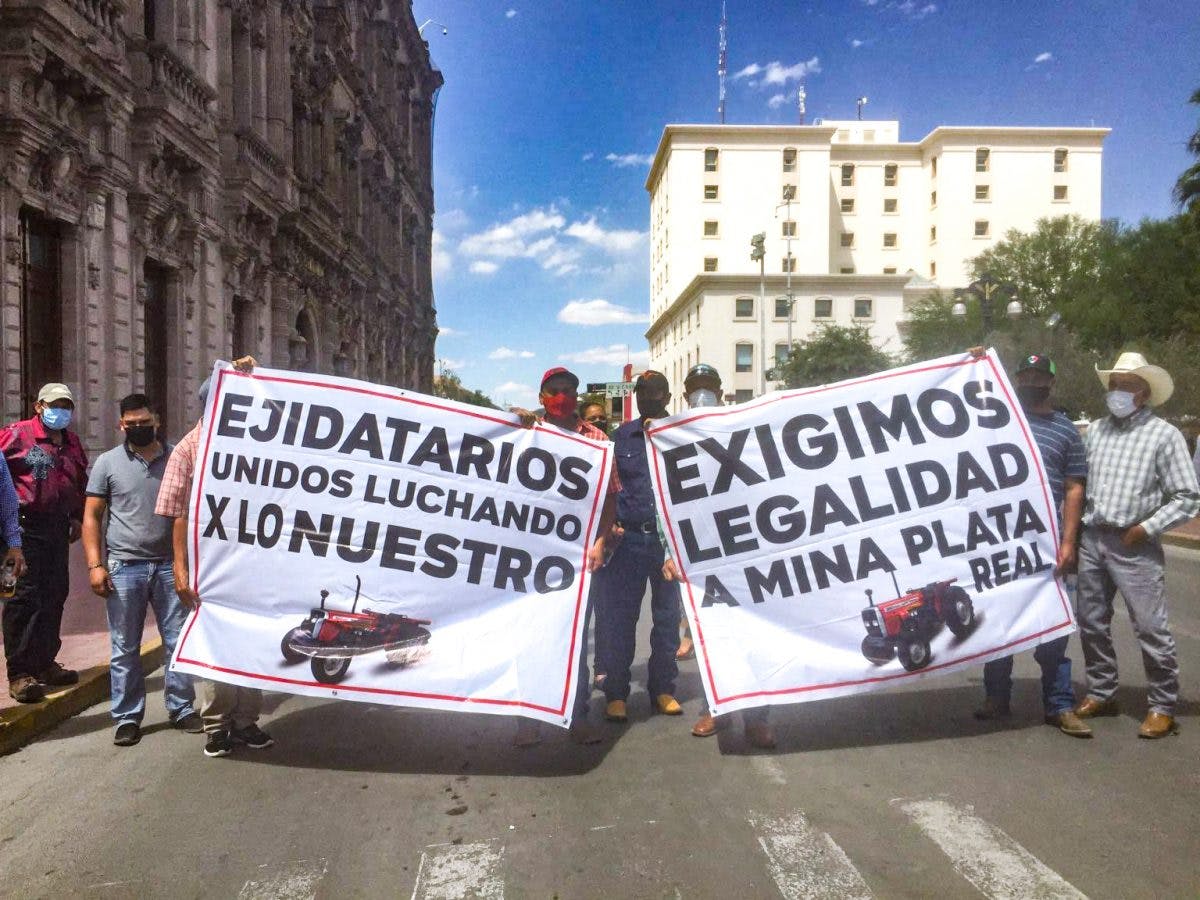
x=702 y=375
x=1038 y=363
x=653 y=381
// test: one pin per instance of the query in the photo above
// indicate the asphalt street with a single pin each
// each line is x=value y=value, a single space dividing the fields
x=898 y=794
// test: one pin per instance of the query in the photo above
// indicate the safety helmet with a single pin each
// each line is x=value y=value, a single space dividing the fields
x=702 y=375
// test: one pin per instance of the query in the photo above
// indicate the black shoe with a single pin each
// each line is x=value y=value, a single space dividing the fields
x=218 y=744
x=252 y=736
x=191 y=723
x=57 y=676
x=993 y=708
x=128 y=734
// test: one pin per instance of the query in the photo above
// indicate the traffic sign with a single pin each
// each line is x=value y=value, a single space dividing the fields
x=618 y=388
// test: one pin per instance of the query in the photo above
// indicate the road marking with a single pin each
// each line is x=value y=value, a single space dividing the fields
x=450 y=872
x=769 y=769
x=997 y=865
x=297 y=880
x=807 y=864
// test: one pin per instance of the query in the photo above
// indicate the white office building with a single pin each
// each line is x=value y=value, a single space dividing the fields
x=866 y=223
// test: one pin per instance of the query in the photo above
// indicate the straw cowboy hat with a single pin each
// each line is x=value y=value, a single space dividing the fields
x=1161 y=385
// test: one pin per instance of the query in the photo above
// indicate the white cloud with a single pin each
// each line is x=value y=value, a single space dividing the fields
x=484 y=267
x=505 y=353
x=507 y=240
x=599 y=312
x=451 y=364
x=776 y=73
x=513 y=392
x=612 y=355
x=510 y=14
x=442 y=261
x=615 y=241
x=628 y=160
x=562 y=260
x=856 y=43
x=777 y=100
x=447 y=331
x=1043 y=57
x=588 y=156
x=911 y=9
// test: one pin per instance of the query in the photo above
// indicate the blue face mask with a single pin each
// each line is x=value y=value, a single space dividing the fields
x=56 y=419
x=1120 y=404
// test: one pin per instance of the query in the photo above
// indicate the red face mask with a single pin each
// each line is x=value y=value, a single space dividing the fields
x=558 y=406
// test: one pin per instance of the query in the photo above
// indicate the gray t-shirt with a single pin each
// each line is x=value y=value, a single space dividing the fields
x=130 y=486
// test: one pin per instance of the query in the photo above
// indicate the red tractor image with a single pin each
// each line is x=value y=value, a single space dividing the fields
x=903 y=626
x=331 y=638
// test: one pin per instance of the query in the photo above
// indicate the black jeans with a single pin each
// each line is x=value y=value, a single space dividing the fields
x=33 y=616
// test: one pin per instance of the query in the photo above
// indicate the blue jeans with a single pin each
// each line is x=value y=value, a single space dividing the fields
x=1057 y=693
x=137 y=583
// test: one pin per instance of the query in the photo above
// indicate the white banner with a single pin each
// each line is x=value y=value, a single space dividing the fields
x=364 y=542
x=847 y=537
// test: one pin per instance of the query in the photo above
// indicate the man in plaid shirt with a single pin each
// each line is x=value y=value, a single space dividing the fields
x=1140 y=483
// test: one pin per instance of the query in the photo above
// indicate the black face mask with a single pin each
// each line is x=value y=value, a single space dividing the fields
x=649 y=407
x=140 y=435
x=1033 y=394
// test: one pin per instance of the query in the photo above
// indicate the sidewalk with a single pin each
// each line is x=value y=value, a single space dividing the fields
x=86 y=648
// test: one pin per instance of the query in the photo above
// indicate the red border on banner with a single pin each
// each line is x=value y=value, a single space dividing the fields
x=668 y=526
x=210 y=420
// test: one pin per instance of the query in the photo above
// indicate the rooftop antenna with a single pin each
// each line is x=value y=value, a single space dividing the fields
x=721 y=64
x=803 y=95
x=861 y=102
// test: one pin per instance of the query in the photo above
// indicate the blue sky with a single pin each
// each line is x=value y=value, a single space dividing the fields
x=552 y=109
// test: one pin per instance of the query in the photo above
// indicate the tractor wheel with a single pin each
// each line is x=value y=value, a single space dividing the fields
x=877 y=650
x=289 y=655
x=914 y=653
x=959 y=611
x=330 y=670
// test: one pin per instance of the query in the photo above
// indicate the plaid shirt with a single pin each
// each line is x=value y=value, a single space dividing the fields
x=1139 y=473
x=588 y=430
x=176 y=487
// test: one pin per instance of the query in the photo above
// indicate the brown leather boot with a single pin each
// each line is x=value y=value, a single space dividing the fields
x=1090 y=708
x=706 y=726
x=1157 y=725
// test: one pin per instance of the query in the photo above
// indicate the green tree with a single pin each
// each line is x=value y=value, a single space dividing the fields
x=450 y=386
x=835 y=353
x=1187 y=187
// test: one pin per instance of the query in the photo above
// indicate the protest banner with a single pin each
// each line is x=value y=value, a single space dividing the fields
x=843 y=538
x=364 y=542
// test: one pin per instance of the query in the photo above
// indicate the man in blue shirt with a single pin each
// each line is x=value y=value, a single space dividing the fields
x=638 y=559
x=1066 y=472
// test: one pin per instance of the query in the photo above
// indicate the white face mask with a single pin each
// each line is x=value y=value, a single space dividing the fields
x=703 y=397
x=1120 y=404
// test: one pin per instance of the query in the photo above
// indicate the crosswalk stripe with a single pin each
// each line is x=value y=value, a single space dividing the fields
x=451 y=871
x=296 y=880
x=805 y=863
x=998 y=866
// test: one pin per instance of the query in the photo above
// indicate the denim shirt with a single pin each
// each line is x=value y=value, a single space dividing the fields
x=635 y=502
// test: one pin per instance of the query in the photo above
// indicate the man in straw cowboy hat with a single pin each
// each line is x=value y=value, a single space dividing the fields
x=1140 y=484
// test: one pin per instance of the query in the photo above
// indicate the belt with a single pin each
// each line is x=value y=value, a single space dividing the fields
x=650 y=527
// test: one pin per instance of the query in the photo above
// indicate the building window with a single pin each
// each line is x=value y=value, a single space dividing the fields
x=847 y=175
x=932 y=233
x=933 y=198
x=847 y=205
x=41 y=305
x=1060 y=159
x=889 y=270
x=889 y=205
x=743 y=307
x=789 y=229
x=864 y=307
x=789 y=159
x=710 y=228
x=847 y=238
x=1060 y=192
x=981 y=228
x=745 y=358
x=823 y=308
x=710 y=264
x=710 y=192
x=781 y=354
x=847 y=270
x=743 y=396
x=983 y=159
x=781 y=307
x=983 y=192
x=933 y=166
x=889 y=239
x=932 y=269
x=890 y=174
x=789 y=192
x=710 y=159
x=789 y=264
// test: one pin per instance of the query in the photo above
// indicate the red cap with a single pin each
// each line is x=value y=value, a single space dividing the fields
x=560 y=370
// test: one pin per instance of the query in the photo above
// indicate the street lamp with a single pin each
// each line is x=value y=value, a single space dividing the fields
x=789 y=194
x=758 y=253
x=985 y=289
x=421 y=27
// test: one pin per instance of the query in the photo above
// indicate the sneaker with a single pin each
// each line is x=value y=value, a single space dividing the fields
x=252 y=736
x=191 y=723
x=993 y=708
x=57 y=676
x=25 y=689
x=127 y=734
x=218 y=744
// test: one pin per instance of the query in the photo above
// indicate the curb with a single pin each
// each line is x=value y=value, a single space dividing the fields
x=23 y=723
x=1182 y=540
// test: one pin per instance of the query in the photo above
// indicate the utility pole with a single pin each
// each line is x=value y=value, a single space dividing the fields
x=789 y=193
x=758 y=252
x=721 y=58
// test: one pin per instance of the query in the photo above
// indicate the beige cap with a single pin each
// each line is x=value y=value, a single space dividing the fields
x=55 y=391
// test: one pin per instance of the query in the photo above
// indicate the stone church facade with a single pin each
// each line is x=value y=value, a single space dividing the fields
x=188 y=180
